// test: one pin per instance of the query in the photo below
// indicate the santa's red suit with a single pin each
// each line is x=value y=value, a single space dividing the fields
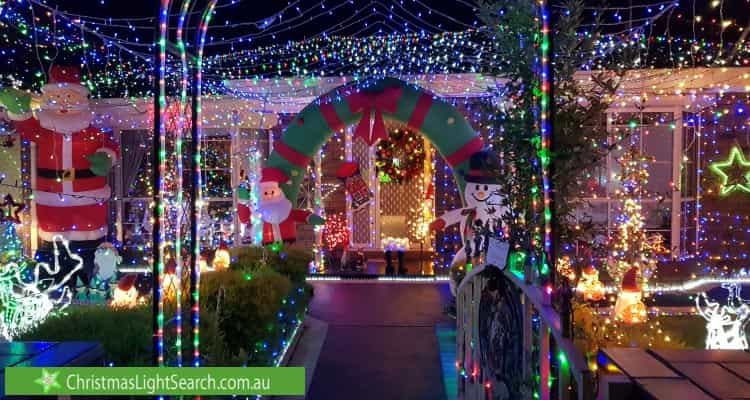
x=286 y=230
x=70 y=200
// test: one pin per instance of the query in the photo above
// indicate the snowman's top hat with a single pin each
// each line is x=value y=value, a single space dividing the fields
x=484 y=167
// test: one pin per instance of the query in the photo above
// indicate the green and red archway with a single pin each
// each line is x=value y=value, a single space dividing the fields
x=385 y=98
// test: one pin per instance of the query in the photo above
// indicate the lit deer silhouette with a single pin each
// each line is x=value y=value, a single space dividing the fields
x=725 y=323
x=26 y=303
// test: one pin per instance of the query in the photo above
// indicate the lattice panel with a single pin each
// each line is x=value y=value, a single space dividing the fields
x=361 y=228
x=396 y=204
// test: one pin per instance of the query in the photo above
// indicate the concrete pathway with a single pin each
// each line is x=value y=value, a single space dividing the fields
x=381 y=341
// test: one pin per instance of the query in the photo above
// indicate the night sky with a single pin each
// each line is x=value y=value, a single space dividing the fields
x=367 y=17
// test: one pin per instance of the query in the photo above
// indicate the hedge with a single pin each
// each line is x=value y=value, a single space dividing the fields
x=125 y=334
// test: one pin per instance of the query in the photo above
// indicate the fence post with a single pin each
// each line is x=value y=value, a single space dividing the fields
x=587 y=387
x=563 y=381
x=544 y=360
x=528 y=313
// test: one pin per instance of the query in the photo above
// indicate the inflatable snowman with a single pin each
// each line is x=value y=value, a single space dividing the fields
x=481 y=218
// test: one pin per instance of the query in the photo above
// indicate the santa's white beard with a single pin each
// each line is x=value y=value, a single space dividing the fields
x=275 y=211
x=64 y=123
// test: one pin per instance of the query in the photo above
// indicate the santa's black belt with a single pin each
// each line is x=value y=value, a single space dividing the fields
x=65 y=174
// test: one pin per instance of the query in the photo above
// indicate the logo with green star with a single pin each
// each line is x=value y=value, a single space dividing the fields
x=48 y=381
x=734 y=172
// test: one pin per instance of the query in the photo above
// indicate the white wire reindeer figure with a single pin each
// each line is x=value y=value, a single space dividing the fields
x=725 y=324
x=25 y=304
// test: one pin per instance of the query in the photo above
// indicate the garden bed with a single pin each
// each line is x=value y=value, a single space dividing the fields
x=682 y=331
x=248 y=314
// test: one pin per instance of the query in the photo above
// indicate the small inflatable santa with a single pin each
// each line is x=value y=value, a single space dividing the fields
x=276 y=211
x=629 y=306
x=244 y=212
x=72 y=163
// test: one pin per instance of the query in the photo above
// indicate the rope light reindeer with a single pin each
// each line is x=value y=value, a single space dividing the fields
x=25 y=304
x=725 y=323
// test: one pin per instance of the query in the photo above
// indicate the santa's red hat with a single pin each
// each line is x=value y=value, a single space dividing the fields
x=63 y=77
x=127 y=282
x=271 y=174
x=171 y=266
x=347 y=169
x=223 y=246
x=630 y=281
x=590 y=270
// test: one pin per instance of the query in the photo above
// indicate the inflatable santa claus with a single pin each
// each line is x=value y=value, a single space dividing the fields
x=276 y=211
x=72 y=163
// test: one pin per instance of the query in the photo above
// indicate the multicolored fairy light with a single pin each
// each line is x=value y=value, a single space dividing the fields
x=197 y=195
x=181 y=123
x=159 y=200
x=545 y=132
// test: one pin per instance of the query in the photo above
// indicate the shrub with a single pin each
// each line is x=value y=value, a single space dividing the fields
x=291 y=263
x=247 y=312
x=125 y=334
x=245 y=315
x=243 y=308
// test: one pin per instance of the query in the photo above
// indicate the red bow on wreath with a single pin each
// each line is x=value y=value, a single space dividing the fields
x=11 y=209
x=366 y=103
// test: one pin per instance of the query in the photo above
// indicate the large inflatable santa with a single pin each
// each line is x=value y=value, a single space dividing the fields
x=72 y=163
x=279 y=218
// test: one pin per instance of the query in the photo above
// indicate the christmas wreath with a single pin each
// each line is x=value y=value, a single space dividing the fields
x=400 y=157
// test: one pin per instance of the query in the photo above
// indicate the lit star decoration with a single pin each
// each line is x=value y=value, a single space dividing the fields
x=48 y=380
x=11 y=210
x=734 y=172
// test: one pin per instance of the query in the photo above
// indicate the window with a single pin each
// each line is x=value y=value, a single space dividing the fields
x=135 y=188
x=217 y=222
x=653 y=133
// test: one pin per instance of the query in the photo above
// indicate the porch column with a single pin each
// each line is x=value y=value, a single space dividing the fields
x=319 y=209
x=34 y=233
x=676 y=182
x=237 y=157
x=119 y=191
x=375 y=203
x=348 y=157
